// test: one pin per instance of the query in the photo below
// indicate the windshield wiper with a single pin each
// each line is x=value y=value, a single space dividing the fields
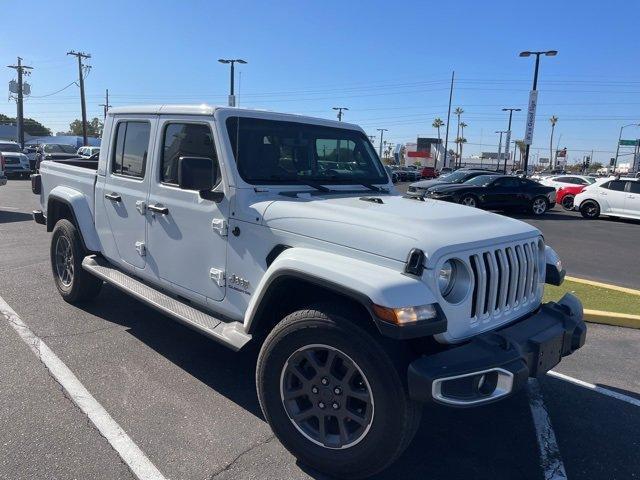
x=315 y=185
x=373 y=187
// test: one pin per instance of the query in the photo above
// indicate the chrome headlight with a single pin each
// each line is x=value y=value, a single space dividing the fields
x=446 y=277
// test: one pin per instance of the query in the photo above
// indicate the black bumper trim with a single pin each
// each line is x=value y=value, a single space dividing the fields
x=528 y=348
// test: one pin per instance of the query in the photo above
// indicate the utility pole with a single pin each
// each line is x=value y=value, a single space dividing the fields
x=340 y=109
x=508 y=139
x=381 y=130
x=106 y=105
x=80 y=56
x=446 y=135
x=21 y=70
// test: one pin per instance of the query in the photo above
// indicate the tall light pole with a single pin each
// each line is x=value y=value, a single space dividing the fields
x=533 y=101
x=340 y=109
x=615 y=162
x=381 y=130
x=500 y=149
x=508 y=139
x=232 y=61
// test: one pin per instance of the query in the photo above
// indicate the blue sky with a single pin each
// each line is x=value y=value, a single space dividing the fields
x=389 y=62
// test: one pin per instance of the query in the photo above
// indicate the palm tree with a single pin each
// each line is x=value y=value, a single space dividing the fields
x=522 y=147
x=553 y=121
x=437 y=123
x=458 y=111
x=462 y=139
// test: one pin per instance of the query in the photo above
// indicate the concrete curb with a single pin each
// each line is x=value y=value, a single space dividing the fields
x=612 y=318
x=603 y=285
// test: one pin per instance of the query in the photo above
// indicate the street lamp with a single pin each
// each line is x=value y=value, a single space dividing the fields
x=500 y=150
x=232 y=61
x=381 y=130
x=615 y=162
x=508 y=142
x=533 y=99
x=340 y=109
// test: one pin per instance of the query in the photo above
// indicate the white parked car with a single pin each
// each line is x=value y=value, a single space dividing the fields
x=86 y=152
x=615 y=198
x=558 y=181
x=16 y=163
x=244 y=226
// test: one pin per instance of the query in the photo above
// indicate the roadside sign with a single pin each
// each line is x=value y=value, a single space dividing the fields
x=506 y=148
x=628 y=143
x=543 y=160
x=531 y=117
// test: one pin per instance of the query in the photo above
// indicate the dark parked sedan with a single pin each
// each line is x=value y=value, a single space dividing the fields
x=419 y=189
x=498 y=192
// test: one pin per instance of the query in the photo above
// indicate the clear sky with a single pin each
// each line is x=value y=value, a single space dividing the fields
x=389 y=62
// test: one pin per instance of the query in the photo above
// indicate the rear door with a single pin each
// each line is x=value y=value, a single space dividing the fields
x=126 y=187
x=632 y=201
x=187 y=241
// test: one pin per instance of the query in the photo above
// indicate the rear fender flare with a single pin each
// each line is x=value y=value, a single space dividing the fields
x=80 y=211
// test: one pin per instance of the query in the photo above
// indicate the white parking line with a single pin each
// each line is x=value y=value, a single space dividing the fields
x=550 y=459
x=130 y=453
x=595 y=388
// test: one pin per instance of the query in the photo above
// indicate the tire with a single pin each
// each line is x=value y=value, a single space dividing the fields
x=539 y=206
x=590 y=209
x=73 y=282
x=386 y=423
x=567 y=202
x=469 y=201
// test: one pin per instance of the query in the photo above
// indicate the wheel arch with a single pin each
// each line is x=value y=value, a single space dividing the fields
x=64 y=202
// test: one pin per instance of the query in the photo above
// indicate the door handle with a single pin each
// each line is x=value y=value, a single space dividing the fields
x=162 y=210
x=114 y=197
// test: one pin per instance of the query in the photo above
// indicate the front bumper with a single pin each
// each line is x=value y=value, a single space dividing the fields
x=3 y=180
x=497 y=364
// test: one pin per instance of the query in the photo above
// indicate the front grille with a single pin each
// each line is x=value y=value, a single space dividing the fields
x=504 y=278
x=11 y=160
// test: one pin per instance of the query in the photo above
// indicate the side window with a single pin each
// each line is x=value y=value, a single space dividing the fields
x=131 y=148
x=617 y=185
x=185 y=140
x=633 y=187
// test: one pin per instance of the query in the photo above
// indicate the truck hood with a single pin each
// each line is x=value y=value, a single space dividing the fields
x=395 y=226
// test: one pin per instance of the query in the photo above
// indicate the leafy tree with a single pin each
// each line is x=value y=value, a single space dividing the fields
x=31 y=127
x=553 y=121
x=94 y=127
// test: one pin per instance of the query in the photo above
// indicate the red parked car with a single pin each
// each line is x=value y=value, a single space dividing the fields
x=565 y=195
x=428 y=172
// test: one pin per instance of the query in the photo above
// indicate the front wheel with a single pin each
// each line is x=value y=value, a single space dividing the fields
x=73 y=282
x=333 y=394
x=469 y=201
x=590 y=209
x=539 y=205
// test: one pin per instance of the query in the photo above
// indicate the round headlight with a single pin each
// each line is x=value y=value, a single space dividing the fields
x=446 y=277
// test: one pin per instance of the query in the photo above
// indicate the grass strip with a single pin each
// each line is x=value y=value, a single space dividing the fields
x=595 y=298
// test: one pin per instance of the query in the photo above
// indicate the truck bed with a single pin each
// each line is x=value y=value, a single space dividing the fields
x=68 y=174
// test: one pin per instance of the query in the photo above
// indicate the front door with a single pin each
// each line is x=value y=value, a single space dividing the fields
x=126 y=187
x=612 y=197
x=186 y=235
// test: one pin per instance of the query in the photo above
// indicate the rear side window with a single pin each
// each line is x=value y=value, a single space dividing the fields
x=132 y=147
x=634 y=187
x=185 y=140
x=617 y=185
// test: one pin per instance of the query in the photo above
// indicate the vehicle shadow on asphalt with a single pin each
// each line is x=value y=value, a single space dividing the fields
x=11 y=217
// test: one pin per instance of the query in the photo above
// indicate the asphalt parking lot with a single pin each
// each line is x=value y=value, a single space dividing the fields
x=190 y=404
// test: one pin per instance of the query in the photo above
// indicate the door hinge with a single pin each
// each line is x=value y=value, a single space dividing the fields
x=217 y=276
x=141 y=249
x=220 y=226
x=141 y=206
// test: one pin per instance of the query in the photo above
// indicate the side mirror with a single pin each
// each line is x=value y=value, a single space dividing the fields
x=198 y=173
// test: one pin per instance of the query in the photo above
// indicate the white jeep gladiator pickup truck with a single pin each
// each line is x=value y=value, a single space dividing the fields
x=286 y=231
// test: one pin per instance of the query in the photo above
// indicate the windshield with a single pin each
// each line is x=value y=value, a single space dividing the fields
x=456 y=177
x=481 y=180
x=270 y=151
x=591 y=180
x=9 y=147
x=58 y=148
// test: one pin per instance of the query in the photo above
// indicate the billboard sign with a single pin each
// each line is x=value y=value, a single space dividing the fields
x=531 y=117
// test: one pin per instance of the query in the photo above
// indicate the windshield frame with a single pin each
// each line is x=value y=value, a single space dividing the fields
x=314 y=131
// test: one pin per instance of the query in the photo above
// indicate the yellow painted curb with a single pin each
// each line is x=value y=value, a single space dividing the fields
x=612 y=318
x=603 y=285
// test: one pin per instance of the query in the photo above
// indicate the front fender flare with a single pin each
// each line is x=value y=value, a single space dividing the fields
x=82 y=216
x=364 y=282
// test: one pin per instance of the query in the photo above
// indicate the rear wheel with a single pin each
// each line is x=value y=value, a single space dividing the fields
x=539 y=205
x=73 y=282
x=567 y=202
x=469 y=201
x=590 y=209
x=333 y=394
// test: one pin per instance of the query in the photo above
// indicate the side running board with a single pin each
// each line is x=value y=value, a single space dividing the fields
x=230 y=334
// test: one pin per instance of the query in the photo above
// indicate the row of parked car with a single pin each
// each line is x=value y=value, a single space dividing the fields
x=16 y=162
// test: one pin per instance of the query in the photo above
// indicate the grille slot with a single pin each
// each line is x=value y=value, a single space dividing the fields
x=503 y=279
